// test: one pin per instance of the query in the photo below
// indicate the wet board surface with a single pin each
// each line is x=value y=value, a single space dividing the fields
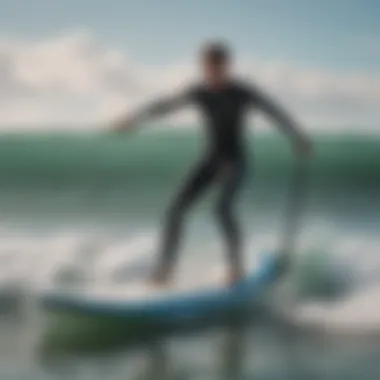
x=183 y=298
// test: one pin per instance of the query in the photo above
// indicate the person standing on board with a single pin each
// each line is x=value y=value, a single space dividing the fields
x=224 y=102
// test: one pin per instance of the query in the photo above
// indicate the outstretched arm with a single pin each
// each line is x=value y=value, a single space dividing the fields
x=283 y=121
x=155 y=109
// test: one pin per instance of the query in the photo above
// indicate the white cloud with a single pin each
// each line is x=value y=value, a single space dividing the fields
x=72 y=80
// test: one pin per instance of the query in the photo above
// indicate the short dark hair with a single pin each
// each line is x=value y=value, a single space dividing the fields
x=216 y=52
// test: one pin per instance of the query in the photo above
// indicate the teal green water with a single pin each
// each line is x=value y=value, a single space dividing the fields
x=109 y=174
x=156 y=158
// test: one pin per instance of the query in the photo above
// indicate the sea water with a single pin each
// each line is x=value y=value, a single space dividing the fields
x=85 y=209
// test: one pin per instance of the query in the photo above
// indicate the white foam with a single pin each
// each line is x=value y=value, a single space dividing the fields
x=133 y=251
x=38 y=259
x=356 y=314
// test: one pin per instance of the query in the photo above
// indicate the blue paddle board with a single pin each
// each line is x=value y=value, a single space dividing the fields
x=165 y=305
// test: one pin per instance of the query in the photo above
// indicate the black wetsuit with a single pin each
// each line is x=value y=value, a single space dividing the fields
x=224 y=111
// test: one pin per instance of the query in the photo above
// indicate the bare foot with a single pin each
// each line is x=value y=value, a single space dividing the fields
x=160 y=277
x=235 y=276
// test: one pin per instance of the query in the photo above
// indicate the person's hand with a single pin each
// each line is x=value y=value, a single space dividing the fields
x=303 y=146
x=124 y=125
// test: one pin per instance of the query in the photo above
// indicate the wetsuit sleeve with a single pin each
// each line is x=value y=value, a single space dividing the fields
x=164 y=106
x=260 y=100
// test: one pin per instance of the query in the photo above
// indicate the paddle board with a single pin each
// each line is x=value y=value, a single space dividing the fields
x=174 y=303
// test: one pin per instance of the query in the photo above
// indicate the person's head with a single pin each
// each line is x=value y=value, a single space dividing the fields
x=215 y=60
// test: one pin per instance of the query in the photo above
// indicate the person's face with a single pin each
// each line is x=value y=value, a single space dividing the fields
x=215 y=73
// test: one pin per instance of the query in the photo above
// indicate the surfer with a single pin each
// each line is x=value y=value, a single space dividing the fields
x=223 y=102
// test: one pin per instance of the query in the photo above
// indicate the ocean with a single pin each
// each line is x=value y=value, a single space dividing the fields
x=80 y=207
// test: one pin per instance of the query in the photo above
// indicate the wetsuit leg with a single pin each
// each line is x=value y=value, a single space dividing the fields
x=232 y=178
x=198 y=181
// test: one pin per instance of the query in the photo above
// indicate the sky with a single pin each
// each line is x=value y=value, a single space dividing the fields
x=80 y=63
